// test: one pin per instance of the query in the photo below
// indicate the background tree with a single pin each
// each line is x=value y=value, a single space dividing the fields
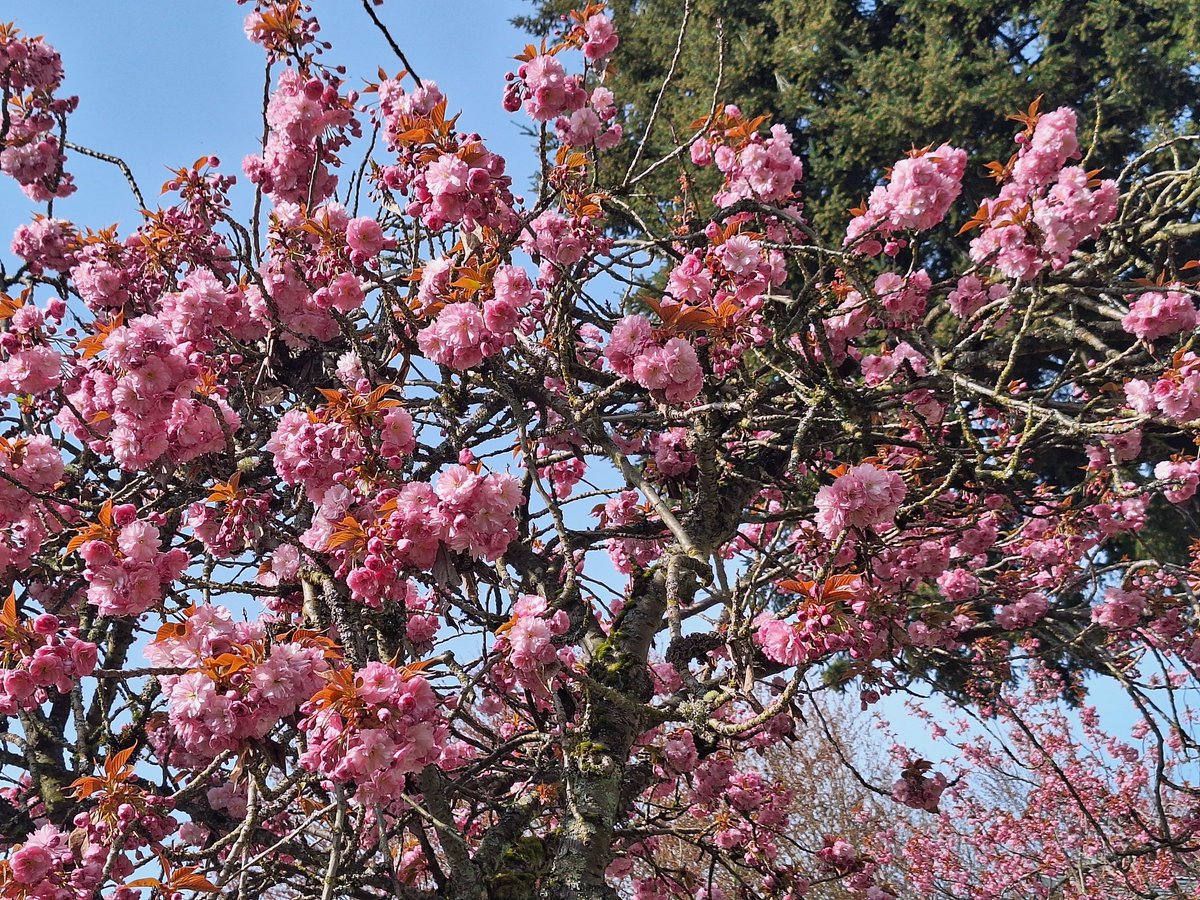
x=856 y=81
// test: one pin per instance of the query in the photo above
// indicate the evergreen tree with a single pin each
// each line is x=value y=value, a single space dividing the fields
x=858 y=81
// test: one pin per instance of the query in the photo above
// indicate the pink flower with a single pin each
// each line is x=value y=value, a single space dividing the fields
x=629 y=337
x=397 y=433
x=864 y=497
x=1067 y=206
x=780 y=640
x=365 y=238
x=1183 y=478
x=671 y=370
x=601 y=37
x=1156 y=314
x=550 y=91
x=765 y=169
x=672 y=457
x=445 y=176
x=918 y=790
x=1120 y=609
x=454 y=337
x=919 y=193
x=1028 y=610
x=35 y=370
x=971 y=294
x=739 y=254
x=45 y=243
x=139 y=541
x=1053 y=143
x=31 y=864
x=309 y=122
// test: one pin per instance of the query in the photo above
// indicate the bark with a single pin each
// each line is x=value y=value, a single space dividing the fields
x=597 y=759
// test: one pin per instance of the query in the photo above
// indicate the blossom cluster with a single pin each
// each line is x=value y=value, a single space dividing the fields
x=39 y=655
x=592 y=124
x=372 y=728
x=44 y=867
x=821 y=624
x=796 y=643
x=668 y=368
x=526 y=644
x=450 y=177
x=749 y=807
x=1046 y=208
x=46 y=243
x=126 y=567
x=548 y=93
x=903 y=297
x=30 y=72
x=405 y=528
x=624 y=509
x=313 y=453
x=971 y=294
x=1182 y=477
x=726 y=288
x=34 y=465
x=376 y=530
x=545 y=88
x=29 y=364
x=557 y=241
x=1159 y=314
x=465 y=333
x=309 y=120
x=863 y=497
x=755 y=168
x=1175 y=394
x=233 y=524
x=314 y=270
x=143 y=402
x=921 y=189
x=240 y=683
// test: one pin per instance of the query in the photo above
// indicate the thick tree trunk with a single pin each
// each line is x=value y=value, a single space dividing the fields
x=597 y=758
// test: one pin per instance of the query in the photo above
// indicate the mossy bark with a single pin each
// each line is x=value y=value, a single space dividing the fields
x=596 y=761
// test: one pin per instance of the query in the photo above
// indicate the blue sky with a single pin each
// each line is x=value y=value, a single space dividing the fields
x=162 y=83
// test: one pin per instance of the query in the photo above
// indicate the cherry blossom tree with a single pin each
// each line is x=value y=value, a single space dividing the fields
x=401 y=536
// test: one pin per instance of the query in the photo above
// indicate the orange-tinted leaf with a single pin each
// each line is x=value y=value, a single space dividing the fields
x=348 y=531
x=117 y=765
x=225 y=491
x=122 y=758
x=1030 y=117
x=186 y=879
x=412 y=669
x=980 y=217
x=796 y=587
x=93 y=344
x=378 y=394
x=171 y=631
x=507 y=626
x=841 y=587
x=86 y=786
x=228 y=663
x=8 y=306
